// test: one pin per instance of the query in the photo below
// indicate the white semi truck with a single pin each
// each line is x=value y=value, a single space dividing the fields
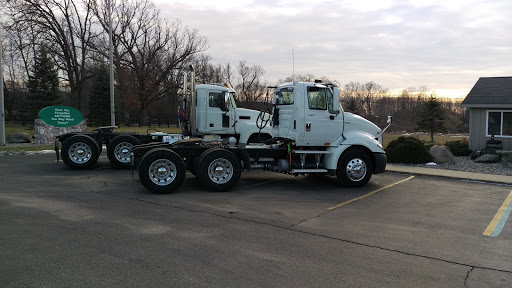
x=214 y=116
x=311 y=134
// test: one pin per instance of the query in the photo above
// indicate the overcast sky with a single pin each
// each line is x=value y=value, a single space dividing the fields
x=445 y=45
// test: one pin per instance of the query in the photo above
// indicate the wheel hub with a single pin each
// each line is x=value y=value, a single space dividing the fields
x=220 y=171
x=162 y=172
x=80 y=153
x=122 y=152
x=356 y=169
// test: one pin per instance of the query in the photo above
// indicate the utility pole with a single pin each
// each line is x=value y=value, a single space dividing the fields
x=112 y=104
x=2 y=114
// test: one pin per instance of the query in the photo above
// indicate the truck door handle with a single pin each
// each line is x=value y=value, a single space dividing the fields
x=308 y=126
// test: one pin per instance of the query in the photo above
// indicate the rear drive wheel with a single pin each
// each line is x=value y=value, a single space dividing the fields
x=118 y=150
x=354 y=168
x=80 y=152
x=219 y=169
x=161 y=171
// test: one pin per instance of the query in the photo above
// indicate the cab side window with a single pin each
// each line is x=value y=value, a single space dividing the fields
x=317 y=98
x=284 y=96
x=216 y=99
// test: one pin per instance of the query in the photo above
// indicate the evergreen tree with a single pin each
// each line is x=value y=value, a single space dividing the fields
x=431 y=118
x=99 y=99
x=43 y=84
x=352 y=106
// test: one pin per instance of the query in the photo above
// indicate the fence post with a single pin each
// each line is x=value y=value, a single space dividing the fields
x=159 y=123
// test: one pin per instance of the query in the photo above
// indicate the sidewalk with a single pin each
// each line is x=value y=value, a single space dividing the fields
x=450 y=174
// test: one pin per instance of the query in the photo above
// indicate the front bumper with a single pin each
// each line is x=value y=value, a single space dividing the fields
x=380 y=162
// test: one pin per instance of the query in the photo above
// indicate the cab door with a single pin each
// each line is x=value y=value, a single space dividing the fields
x=323 y=123
x=218 y=114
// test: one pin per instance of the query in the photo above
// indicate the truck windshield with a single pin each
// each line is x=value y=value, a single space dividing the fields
x=232 y=97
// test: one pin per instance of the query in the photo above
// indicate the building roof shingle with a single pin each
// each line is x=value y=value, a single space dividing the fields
x=489 y=92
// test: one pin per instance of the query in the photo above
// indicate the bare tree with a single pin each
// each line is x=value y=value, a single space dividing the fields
x=67 y=25
x=250 y=87
x=150 y=46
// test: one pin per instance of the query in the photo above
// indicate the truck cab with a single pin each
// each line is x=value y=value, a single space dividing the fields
x=217 y=113
x=308 y=113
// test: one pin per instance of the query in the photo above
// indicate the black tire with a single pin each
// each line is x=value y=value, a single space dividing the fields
x=161 y=171
x=219 y=169
x=194 y=166
x=80 y=152
x=355 y=168
x=118 y=150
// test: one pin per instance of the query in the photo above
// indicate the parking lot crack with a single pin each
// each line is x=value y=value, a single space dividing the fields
x=308 y=219
x=293 y=228
x=467 y=277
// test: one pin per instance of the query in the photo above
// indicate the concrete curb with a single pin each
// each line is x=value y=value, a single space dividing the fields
x=450 y=174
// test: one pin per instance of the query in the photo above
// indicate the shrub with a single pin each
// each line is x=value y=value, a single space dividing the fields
x=407 y=150
x=458 y=148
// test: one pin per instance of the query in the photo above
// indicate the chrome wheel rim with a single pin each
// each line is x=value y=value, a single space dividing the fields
x=356 y=169
x=162 y=172
x=122 y=152
x=80 y=153
x=220 y=171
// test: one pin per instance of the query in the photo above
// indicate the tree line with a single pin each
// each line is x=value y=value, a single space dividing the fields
x=56 y=51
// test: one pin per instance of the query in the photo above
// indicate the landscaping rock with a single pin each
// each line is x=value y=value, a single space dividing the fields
x=488 y=158
x=19 y=138
x=441 y=154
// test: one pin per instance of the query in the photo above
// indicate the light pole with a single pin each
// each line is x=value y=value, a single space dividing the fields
x=2 y=114
x=111 y=67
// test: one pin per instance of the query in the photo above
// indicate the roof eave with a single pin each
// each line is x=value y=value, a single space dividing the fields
x=495 y=106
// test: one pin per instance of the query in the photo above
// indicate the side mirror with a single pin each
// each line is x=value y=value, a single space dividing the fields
x=227 y=103
x=390 y=119
x=335 y=109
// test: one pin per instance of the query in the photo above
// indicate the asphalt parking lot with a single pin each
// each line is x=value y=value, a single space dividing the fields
x=101 y=228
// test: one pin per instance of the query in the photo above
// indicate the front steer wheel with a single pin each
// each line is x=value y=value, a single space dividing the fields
x=80 y=152
x=219 y=169
x=354 y=168
x=118 y=150
x=161 y=171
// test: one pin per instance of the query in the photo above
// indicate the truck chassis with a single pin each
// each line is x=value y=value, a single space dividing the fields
x=162 y=167
x=81 y=150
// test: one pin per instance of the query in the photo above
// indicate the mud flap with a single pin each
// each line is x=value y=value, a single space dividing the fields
x=57 y=149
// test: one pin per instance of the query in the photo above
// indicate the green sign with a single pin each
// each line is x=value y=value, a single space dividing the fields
x=60 y=116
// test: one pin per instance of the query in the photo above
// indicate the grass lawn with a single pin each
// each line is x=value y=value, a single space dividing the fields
x=13 y=129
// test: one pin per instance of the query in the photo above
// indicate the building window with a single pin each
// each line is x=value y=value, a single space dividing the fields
x=499 y=123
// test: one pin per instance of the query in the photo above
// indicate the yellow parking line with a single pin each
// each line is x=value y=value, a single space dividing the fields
x=498 y=219
x=369 y=194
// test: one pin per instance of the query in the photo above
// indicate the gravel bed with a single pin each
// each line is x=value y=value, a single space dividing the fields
x=465 y=164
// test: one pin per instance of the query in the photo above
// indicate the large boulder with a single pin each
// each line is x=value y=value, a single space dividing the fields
x=488 y=158
x=19 y=138
x=441 y=154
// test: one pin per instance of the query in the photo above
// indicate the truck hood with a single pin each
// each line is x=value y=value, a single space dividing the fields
x=246 y=118
x=355 y=122
x=247 y=115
